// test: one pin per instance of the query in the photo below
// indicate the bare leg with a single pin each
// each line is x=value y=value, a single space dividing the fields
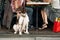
x=44 y=17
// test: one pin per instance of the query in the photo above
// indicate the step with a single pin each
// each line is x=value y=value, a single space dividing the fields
x=34 y=35
x=32 y=38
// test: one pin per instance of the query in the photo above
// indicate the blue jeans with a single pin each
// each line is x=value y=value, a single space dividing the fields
x=30 y=13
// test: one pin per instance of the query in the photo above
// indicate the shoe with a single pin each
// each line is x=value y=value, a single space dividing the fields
x=44 y=26
x=31 y=27
x=40 y=28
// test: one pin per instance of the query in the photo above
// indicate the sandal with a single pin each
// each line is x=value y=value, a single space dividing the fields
x=44 y=26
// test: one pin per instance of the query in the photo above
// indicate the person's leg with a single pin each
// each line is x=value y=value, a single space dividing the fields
x=9 y=20
x=30 y=13
x=47 y=14
x=8 y=12
x=4 y=20
x=44 y=17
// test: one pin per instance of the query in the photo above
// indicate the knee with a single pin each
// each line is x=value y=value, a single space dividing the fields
x=29 y=10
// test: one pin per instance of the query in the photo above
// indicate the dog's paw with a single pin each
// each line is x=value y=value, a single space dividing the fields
x=15 y=32
x=26 y=32
x=20 y=33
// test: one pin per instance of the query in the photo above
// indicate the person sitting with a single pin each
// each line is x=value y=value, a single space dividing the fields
x=29 y=10
x=51 y=11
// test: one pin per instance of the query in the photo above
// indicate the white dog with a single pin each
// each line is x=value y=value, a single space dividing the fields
x=22 y=25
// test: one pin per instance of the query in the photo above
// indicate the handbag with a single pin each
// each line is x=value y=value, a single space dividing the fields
x=56 y=27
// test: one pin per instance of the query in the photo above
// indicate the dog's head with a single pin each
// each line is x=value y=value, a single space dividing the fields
x=22 y=12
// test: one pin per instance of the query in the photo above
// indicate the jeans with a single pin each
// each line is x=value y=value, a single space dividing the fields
x=30 y=13
x=7 y=18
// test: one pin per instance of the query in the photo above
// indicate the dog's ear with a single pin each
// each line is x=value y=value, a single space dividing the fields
x=24 y=11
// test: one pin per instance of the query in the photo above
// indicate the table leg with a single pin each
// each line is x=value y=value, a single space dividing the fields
x=36 y=17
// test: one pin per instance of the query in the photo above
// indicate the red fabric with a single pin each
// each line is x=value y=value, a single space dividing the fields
x=56 y=27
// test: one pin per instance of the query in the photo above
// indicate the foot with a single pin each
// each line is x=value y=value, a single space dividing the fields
x=44 y=26
x=31 y=27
